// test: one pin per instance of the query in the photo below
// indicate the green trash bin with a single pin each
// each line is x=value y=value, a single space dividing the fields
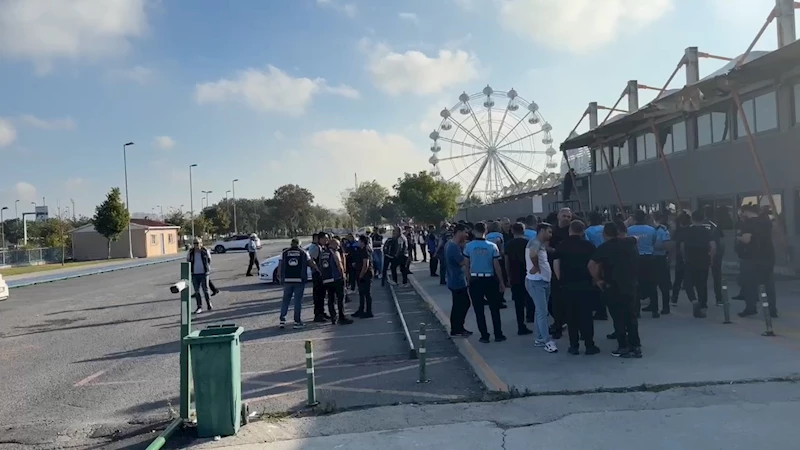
x=217 y=376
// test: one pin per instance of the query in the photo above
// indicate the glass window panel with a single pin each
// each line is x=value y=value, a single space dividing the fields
x=704 y=130
x=719 y=127
x=623 y=154
x=650 y=146
x=679 y=137
x=766 y=109
x=763 y=202
x=640 y=148
x=748 y=112
x=666 y=140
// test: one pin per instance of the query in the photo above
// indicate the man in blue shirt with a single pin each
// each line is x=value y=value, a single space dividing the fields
x=486 y=286
x=457 y=282
x=661 y=273
x=530 y=227
x=645 y=241
x=594 y=233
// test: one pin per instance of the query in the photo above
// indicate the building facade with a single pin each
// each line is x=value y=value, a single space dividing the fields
x=150 y=239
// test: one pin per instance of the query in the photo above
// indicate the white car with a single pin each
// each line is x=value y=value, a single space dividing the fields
x=3 y=289
x=235 y=242
x=268 y=270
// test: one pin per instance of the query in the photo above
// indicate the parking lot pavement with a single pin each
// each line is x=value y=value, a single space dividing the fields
x=678 y=349
x=96 y=358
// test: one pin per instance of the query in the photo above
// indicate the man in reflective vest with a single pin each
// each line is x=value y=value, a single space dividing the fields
x=332 y=271
x=293 y=275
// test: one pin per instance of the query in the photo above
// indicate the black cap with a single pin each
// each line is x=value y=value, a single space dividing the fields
x=459 y=227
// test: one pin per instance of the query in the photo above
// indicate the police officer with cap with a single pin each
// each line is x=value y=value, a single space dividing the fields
x=332 y=271
x=320 y=242
x=293 y=275
x=486 y=286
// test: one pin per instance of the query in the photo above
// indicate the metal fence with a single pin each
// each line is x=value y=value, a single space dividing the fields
x=23 y=257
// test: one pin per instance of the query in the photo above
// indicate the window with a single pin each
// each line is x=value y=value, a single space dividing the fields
x=713 y=127
x=720 y=210
x=763 y=202
x=170 y=238
x=797 y=103
x=622 y=154
x=152 y=239
x=599 y=161
x=646 y=147
x=761 y=113
x=673 y=138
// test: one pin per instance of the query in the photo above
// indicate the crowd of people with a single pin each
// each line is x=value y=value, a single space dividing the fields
x=572 y=270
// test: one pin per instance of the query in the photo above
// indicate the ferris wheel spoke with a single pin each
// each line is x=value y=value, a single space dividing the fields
x=520 y=139
x=523 y=152
x=491 y=138
x=450 y=158
x=512 y=129
x=464 y=169
x=471 y=187
x=465 y=144
x=469 y=133
x=512 y=160
x=507 y=171
x=478 y=123
x=502 y=121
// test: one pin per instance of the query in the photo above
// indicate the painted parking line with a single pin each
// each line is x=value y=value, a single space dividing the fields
x=90 y=378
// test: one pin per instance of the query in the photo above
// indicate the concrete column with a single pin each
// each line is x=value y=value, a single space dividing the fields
x=633 y=96
x=787 y=33
x=691 y=65
x=593 y=115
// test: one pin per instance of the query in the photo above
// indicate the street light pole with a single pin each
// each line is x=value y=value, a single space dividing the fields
x=16 y=213
x=191 y=199
x=233 y=190
x=127 y=200
x=3 y=229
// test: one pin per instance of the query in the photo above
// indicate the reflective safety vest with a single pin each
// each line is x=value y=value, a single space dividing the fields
x=294 y=266
x=328 y=268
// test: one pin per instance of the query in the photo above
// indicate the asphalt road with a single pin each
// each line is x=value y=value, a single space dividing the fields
x=89 y=362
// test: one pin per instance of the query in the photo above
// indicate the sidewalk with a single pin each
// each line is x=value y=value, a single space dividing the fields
x=678 y=349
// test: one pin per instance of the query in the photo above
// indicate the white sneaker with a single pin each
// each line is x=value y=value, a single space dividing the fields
x=198 y=310
x=550 y=347
x=282 y=324
x=539 y=343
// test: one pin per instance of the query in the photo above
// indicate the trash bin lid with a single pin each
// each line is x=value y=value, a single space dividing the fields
x=214 y=333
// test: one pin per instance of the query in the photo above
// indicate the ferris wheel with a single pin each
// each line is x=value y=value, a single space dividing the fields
x=489 y=148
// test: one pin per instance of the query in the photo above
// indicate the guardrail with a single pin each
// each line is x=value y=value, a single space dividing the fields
x=412 y=351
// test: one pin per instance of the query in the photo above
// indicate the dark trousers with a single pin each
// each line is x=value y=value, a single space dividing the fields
x=557 y=307
x=696 y=283
x=412 y=250
x=402 y=263
x=351 y=277
x=200 y=284
x=485 y=291
x=646 y=280
x=253 y=263
x=434 y=265
x=387 y=263
x=335 y=292
x=212 y=287
x=623 y=308
x=459 y=309
x=754 y=275
x=580 y=301
x=318 y=290
x=662 y=280
x=365 y=294
x=523 y=304
x=442 y=270
x=677 y=283
x=423 y=252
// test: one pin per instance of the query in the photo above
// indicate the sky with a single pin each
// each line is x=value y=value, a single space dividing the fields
x=310 y=92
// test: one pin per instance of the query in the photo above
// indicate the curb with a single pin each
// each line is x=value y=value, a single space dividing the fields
x=412 y=352
x=485 y=373
x=96 y=272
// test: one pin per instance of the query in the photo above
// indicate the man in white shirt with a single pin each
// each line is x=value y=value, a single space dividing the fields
x=537 y=283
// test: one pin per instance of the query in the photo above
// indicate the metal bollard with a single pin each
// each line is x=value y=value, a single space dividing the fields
x=767 y=318
x=312 y=386
x=185 y=289
x=422 y=352
x=726 y=305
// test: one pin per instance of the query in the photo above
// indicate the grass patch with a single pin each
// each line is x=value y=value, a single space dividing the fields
x=21 y=270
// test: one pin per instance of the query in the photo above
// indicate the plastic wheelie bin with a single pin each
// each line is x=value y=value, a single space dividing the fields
x=217 y=374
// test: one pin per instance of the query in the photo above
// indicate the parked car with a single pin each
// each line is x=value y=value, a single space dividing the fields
x=268 y=271
x=3 y=289
x=235 y=242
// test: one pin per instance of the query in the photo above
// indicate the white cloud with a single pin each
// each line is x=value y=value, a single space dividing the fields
x=53 y=125
x=44 y=31
x=75 y=183
x=348 y=9
x=22 y=191
x=330 y=153
x=409 y=17
x=164 y=142
x=278 y=135
x=137 y=74
x=270 y=90
x=8 y=134
x=579 y=26
x=417 y=73
x=431 y=119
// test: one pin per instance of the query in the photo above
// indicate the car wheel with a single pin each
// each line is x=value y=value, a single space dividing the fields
x=275 y=276
x=219 y=249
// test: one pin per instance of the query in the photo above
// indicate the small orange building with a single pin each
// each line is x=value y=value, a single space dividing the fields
x=150 y=238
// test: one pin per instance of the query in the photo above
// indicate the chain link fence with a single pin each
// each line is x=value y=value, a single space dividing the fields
x=33 y=256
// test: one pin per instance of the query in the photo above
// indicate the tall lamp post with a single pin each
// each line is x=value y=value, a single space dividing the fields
x=233 y=190
x=16 y=212
x=127 y=200
x=3 y=229
x=191 y=199
x=205 y=198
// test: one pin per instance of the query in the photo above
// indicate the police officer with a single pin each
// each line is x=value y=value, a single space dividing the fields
x=252 y=248
x=661 y=273
x=293 y=275
x=698 y=249
x=320 y=242
x=645 y=242
x=445 y=234
x=377 y=251
x=495 y=236
x=332 y=271
x=486 y=286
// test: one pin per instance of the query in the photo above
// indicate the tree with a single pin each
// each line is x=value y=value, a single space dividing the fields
x=111 y=217
x=14 y=232
x=392 y=210
x=427 y=199
x=365 y=201
x=472 y=201
x=218 y=218
x=290 y=202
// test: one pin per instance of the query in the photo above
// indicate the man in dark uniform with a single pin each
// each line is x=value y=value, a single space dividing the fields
x=486 y=286
x=377 y=251
x=515 y=268
x=332 y=270
x=557 y=305
x=293 y=274
x=320 y=242
x=444 y=236
x=698 y=249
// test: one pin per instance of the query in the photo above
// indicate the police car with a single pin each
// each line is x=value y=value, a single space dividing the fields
x=3 y=289
x=268 y=271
